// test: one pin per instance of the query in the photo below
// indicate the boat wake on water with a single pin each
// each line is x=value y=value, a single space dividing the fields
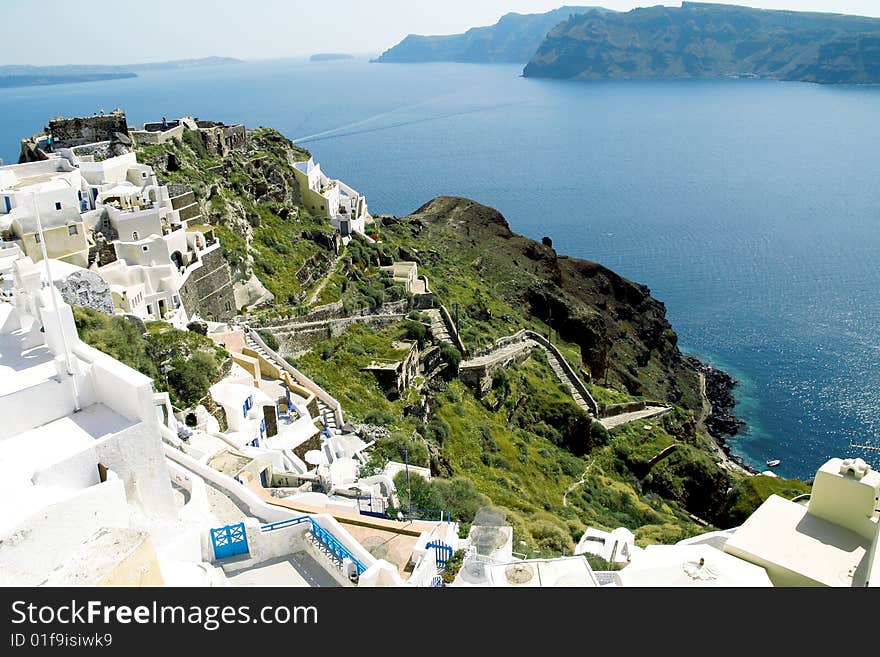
x=345 y=131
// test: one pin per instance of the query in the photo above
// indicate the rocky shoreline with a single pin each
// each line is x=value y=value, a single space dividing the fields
x=721 y=423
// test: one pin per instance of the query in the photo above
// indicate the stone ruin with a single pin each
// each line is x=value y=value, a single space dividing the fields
x=87 y=290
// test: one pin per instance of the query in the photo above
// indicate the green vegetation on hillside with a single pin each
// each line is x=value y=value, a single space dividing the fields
x=252 y=200
x=193 y=361
x=525 y=446
x=712 y=40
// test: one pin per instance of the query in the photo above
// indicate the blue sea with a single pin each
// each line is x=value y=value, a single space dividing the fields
x=750 y=208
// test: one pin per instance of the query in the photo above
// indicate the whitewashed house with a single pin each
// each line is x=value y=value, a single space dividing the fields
x=87 y=495
x=54 y=189
x=344 y=206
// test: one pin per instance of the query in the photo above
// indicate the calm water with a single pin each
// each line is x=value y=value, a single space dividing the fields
x=751 y=208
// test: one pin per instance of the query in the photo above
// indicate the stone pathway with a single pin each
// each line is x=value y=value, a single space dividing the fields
x=626 y=418
x=438 y=326
x=505 y=353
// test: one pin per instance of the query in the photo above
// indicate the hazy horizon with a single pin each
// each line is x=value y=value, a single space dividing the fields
x=272 y=29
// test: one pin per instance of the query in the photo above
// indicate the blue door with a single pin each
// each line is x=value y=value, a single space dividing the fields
x=229 y=541
x=8 y=204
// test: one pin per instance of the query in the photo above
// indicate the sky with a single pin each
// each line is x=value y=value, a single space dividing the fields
x=124 y=32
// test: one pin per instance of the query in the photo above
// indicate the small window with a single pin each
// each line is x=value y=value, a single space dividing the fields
x=72 y=230
x=79 y=195
x=58 y=205
x=149 y=309
x=134 y=236
x=37 y=238
x=145 y=248
x=143 y=174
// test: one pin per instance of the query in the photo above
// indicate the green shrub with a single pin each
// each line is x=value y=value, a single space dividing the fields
x=379 y=418
x=269 y=338
x=550 y=536
x=191 y=378
x=420 y=494
x=437 y=430
x=452 y=357
x=416 y=331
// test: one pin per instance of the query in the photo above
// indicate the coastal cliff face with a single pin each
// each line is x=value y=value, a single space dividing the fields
x=525 y=445
x=513 y=39
x=706 y=40
x=622 y=334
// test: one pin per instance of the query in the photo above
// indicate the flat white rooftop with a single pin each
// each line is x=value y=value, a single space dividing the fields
x=23 y=454
x=21 y=369
x=563 y=572
x=782 y=533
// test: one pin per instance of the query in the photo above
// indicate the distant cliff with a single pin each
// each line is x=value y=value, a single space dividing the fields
x=514 y=39
x=708 y=40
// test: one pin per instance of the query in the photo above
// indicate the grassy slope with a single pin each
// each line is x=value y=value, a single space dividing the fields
x=506 y=444
x=245 y=196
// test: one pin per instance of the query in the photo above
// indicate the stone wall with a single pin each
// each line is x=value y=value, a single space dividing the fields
x=181 y=196
x=479 y=377
x=613 y=410
x=302 y=338
x=190 y=212
x=208 y=291
x=87 y=129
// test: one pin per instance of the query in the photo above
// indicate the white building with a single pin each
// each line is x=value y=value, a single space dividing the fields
x=615 y=547
x=86 y=189
x=344 y=206
x=87 y=497
x=54 y=189
x=830 y=541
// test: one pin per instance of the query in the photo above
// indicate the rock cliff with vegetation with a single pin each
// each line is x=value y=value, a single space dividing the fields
x=524 y=444
x=708 y=40
x=513 y=40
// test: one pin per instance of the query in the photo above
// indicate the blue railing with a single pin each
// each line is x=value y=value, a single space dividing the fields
x=323 y=536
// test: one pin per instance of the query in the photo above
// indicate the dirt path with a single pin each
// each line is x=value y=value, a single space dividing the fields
x=313 y=297
x=726 y=462
x=580 y=482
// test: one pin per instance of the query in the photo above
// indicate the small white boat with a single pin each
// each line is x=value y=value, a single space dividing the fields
x=773 y=463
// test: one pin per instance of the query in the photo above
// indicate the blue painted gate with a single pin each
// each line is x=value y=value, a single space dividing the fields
x=229 y=541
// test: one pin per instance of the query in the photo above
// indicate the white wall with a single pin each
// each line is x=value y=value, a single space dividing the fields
x=43 y=542
x=144 y=223
x=136 y=455
x=110 y=171
x=251 y=503
x=78 y=471
x=46 y=401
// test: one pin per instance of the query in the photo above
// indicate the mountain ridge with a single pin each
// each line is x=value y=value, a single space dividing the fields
x=513 y=39
x=701 y=40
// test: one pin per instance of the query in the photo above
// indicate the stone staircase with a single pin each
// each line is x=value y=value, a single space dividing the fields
x=328 y=417
x=507 y=351
x=438 y=326
x=566 y=381
x=252 y=344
